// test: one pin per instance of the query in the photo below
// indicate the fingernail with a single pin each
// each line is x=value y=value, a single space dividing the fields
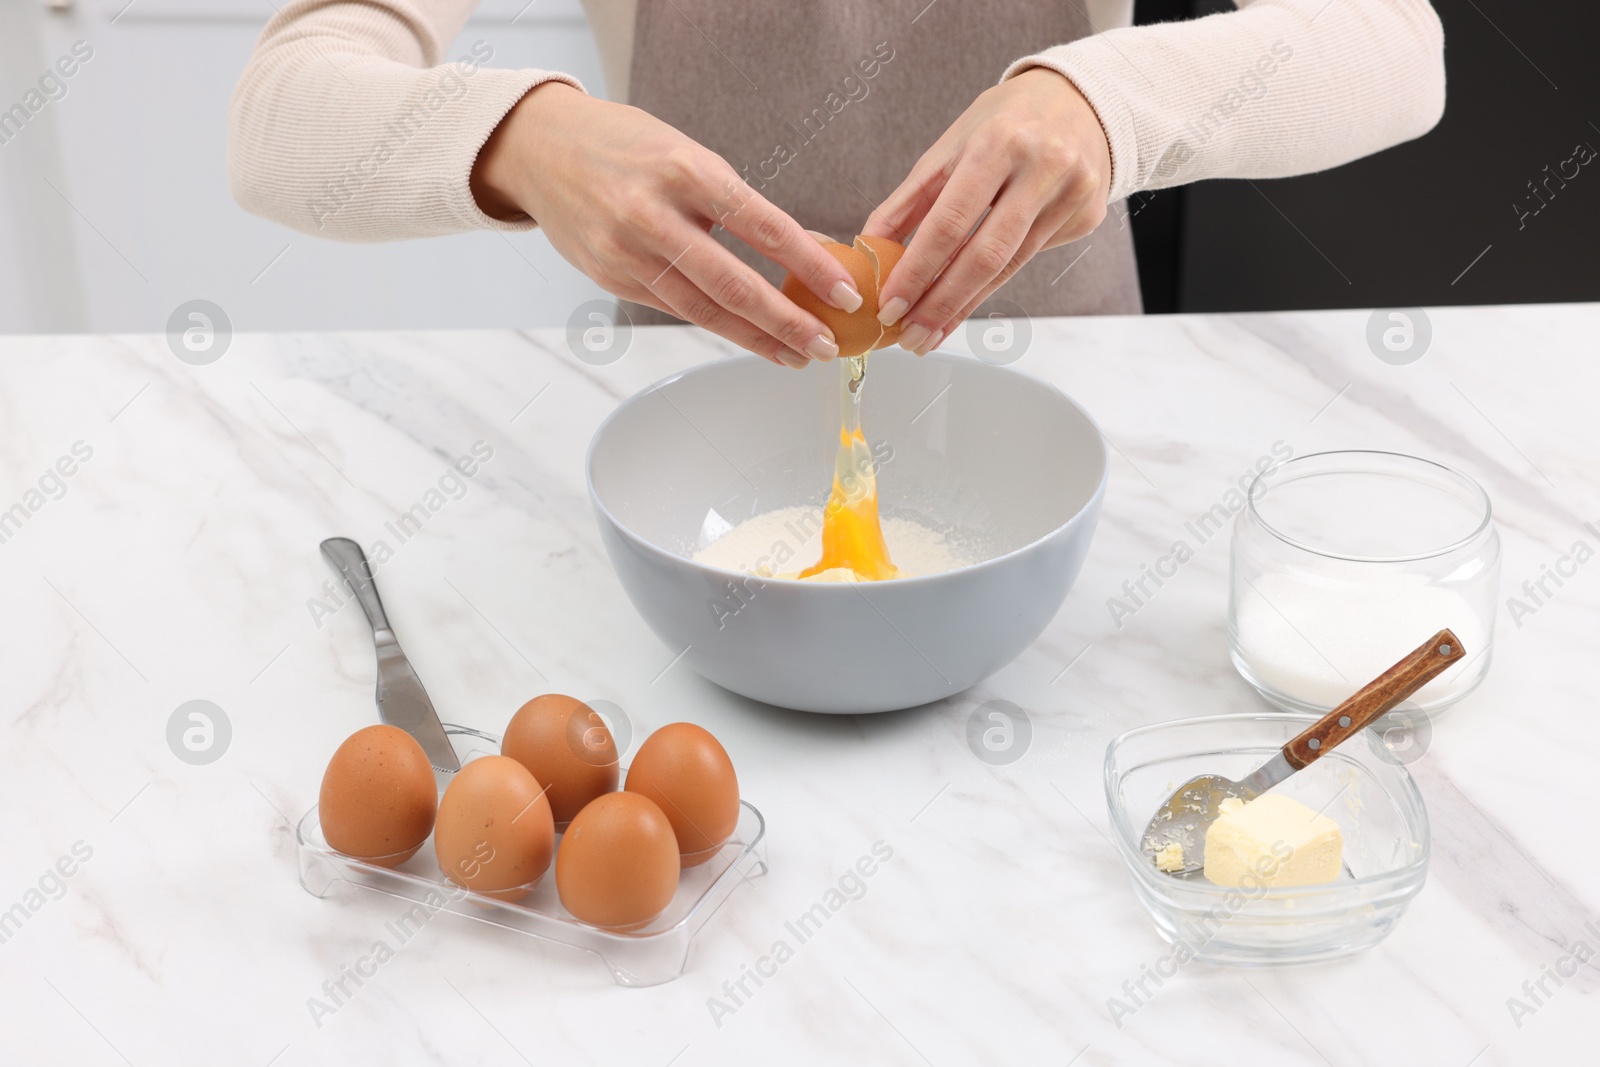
x=890 y=313
x=821 y=348
x=931 y=345
x=844 y=296
x=793 y=359
x=912 y=337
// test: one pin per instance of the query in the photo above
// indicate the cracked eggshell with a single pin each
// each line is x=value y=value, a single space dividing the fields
x=869 y=261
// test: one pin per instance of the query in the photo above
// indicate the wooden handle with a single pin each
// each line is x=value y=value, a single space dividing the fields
x=1375 y=698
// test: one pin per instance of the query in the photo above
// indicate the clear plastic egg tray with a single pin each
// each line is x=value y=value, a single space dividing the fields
x=652 y=955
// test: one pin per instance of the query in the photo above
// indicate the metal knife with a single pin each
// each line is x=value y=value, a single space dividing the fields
x=1186 y=816
x=402 y=701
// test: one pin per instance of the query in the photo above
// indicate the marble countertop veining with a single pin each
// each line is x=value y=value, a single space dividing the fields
x=150 y=911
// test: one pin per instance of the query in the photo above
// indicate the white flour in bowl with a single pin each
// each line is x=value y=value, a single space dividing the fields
x=790 y=539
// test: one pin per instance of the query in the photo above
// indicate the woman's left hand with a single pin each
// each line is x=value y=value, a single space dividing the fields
x=1030 y=153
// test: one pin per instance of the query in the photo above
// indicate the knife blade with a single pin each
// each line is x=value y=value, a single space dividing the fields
x=402 y=701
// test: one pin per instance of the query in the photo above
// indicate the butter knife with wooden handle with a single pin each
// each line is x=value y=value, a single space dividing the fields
x=402 y=701
x=1183 y=820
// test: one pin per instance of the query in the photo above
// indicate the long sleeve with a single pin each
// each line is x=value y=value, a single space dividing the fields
x=347 y=122
x=1278 y=87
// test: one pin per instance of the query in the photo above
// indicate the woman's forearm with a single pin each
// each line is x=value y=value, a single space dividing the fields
x=1279 y=87
x=350 y=122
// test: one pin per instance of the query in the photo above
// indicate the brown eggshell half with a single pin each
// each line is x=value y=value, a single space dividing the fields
x=884 y=254
x=869 y=261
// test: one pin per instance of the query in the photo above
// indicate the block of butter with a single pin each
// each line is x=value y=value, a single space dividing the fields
x=1272 y=841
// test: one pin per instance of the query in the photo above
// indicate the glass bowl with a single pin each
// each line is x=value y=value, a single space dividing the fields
x=1342 y=562
x=649 y=955
x=1362 y=784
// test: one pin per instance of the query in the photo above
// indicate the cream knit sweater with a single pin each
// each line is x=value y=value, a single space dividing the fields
x=350 y=121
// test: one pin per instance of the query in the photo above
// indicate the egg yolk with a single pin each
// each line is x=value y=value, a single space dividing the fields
x=852 y=538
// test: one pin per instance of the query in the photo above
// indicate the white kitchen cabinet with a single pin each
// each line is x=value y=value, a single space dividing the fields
x=114 y=202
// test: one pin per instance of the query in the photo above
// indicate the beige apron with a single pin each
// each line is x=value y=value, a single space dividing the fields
x=825 y=105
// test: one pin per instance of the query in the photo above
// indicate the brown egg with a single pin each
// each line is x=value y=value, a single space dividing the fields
x=689 y=776
x=618 y=864
x=565 y=745
x=495 y=835
x=869 y=262
x=378 y=796
x=885 y=254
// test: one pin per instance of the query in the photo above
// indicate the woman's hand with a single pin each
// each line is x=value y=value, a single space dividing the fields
x=631 y=202
x=1032 y=154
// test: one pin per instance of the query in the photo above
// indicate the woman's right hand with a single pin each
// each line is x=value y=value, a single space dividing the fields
x=631 y=202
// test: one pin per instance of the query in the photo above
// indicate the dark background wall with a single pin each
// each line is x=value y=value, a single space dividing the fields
x=1399 y=228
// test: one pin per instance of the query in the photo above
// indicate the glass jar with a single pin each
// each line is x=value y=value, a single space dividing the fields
x=1343 y=562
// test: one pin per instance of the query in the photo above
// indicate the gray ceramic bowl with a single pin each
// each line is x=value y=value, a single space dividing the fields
x=995 y=458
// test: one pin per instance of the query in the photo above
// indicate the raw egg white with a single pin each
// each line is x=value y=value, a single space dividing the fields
x=852 y=537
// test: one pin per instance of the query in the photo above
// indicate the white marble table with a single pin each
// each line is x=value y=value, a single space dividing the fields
x=181 y=559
